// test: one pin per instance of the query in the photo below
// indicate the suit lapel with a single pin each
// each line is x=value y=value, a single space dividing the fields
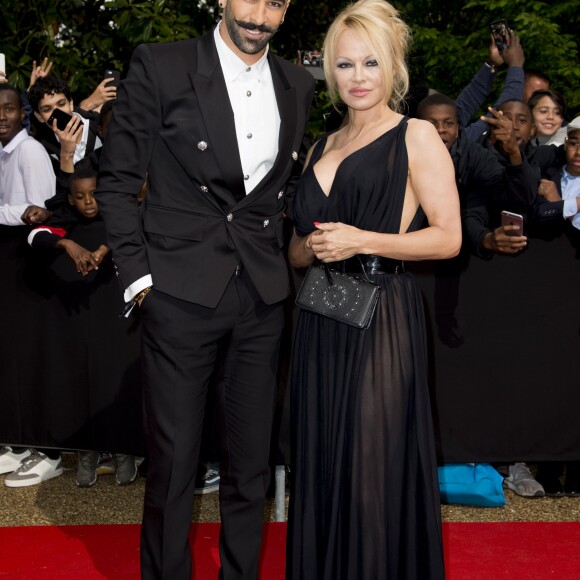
x=215 y=108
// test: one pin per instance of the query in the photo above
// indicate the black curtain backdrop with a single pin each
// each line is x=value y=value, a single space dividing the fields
x=504 y=380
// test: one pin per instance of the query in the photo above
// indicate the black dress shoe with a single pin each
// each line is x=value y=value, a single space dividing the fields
x=553 y=487
x=572 y=488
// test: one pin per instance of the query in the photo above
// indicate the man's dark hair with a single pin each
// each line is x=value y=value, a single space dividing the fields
x=554 y=95
x=83 y=172
x=48 y=85
x=4 y=87
x=501 y=106
x=536 y=73
x=435 y=100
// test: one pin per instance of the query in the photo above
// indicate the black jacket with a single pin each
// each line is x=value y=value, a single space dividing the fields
x=174 y=123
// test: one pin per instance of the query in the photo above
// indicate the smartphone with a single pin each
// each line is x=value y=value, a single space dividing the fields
x=501 y=33
x=62 y=119
x=115 y=75
x=3 y=63
x=513 y=219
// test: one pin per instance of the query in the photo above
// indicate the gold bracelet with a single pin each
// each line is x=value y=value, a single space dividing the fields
x=142 y=294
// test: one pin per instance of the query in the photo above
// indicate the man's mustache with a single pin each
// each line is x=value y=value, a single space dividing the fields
x=252 y=26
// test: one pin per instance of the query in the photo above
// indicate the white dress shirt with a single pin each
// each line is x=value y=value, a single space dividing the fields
x=570 y=191
x=26 y=177
x=256 y=114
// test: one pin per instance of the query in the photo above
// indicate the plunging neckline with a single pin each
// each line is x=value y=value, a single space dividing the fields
x=339 y=166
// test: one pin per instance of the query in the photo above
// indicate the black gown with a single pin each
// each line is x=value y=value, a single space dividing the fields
x=364 y=491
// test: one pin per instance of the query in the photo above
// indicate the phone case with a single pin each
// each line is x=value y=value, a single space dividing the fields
x=513 y=219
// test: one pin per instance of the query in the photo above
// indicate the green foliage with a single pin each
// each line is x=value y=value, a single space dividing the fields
x=451 y=41
x=85 y=37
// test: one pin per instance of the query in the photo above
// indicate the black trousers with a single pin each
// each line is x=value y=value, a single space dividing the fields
x=180 y=348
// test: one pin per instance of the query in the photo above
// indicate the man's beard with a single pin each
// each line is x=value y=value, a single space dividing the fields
x=245 y=44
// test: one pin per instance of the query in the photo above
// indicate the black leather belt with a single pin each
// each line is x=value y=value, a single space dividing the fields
x=372 y=265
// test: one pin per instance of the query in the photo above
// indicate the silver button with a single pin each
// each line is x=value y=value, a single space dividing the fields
x=249 y=69
x=294 y=155
x=249 y=94
x=280 y=194
x=266 y=222
x=204 y=189
x=230 y=217
x=246 y=177
x=249 y=135
x=202 y=145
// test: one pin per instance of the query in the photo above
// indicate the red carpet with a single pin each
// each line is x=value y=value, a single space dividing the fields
x=473 y=551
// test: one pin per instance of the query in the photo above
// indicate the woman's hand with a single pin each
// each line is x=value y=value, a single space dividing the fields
x=335 y=241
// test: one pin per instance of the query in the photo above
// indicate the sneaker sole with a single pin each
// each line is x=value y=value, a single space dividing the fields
x=29 y=482
x=129 y=481
x=85 y=485
x=205 y=490
x=512 y=487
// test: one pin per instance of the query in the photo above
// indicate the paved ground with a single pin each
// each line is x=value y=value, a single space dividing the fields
x=60 y=502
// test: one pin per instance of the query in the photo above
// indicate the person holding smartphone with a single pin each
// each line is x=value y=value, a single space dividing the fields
x=68 y=134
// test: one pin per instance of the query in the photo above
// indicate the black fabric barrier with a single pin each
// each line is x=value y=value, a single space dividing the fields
x=505 y=380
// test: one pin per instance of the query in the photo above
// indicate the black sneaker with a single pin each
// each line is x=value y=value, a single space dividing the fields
x=125 y=468
x=87 y=468
x=211 y=480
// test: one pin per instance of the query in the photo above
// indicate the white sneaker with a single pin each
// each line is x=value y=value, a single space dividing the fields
x=522 y=482
x=10 y=461
x=34 y=469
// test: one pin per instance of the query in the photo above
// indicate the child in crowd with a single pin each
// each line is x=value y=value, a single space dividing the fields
x=82 y=282
x=548 y=110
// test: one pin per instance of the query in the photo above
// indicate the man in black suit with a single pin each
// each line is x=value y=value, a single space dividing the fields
x=216 y=124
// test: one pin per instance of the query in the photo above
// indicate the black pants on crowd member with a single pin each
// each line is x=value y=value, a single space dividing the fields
x=180 y=350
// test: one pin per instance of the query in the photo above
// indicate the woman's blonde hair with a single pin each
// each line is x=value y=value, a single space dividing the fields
x=388 y=37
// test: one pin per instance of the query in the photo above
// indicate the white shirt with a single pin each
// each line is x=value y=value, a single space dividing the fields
x=257 y=120
x=26 y=177
x=256 y=114
x=570 y=191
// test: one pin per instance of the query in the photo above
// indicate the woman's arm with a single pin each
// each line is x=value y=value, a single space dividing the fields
x=432 y=182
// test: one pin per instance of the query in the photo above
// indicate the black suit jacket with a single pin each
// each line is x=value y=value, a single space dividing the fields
x=174 y=123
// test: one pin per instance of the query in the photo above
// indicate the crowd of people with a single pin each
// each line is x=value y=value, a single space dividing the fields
x=142 y=220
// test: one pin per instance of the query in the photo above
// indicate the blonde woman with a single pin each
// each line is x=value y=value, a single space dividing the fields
x=365 y=501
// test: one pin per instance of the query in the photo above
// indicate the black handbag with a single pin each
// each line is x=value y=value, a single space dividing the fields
x=346 y=298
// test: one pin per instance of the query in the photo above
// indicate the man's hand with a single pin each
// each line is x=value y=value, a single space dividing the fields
x=500 y=242
x=548 y=190
x=100 y=253
x=34 y=214
x=494 y=56
x=513 y=53
x=69 y=138
x=84 y=260
x=105 y=91
x=503 y=132
x=39 y=71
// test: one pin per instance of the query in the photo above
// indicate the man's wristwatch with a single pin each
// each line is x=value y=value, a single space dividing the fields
x=138 y=297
